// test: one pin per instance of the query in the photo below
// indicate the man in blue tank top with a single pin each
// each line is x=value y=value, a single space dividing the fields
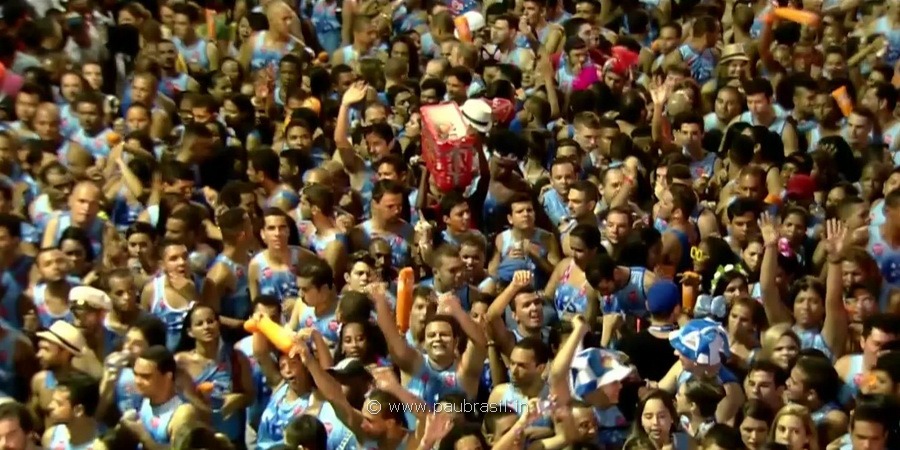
x=72 y=409
x=815 y=384
x=225 y=287
x=438 y=370
x=878 y=331
x=163 y=412
x=380 y=424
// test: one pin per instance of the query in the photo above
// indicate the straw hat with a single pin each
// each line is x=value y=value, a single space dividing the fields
x=734 y=52
x=65 y=335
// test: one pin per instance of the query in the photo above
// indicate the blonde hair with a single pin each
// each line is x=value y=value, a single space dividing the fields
x=771 y=337
x=802 y=413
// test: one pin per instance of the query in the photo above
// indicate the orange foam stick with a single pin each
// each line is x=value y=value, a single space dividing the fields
x=842 y=97
x=205 y=387
x=405 y=283
x=282 y=339
x=211 y=25
x=689 y=290
x=797 y=15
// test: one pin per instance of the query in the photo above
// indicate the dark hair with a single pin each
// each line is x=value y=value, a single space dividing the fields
x=83 y=390
x=306 y=431
x=820 y=377
x=318 y=272
x=162 y=357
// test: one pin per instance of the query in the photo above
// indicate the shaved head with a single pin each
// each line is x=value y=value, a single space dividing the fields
x=84 y=203
x=46 y=121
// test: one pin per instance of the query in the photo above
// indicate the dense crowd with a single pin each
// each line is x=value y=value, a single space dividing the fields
x=454 y=225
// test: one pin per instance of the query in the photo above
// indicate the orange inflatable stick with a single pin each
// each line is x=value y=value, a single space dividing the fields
x=282 y=339
x=405 y=283
x=797 y=15
x=842 y=97
x=205 y=387
x=211 y=25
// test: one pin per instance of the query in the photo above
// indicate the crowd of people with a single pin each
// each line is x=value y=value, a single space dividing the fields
x=664 y=225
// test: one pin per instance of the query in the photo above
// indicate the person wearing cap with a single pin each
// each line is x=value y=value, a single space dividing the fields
x=89 y=305
x=702 y=348
x=162 y=412
x=57 y=348
x=649 y=349
x=761 y=111
x=72 y=410
x=380 y=423
x=592 y=377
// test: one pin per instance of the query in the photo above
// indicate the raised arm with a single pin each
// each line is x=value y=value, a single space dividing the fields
x=834 y=331
x=407 y=358
x=776 y=311
x=472 y=362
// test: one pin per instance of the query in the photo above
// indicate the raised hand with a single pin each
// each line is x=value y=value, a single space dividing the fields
x=835 y=237
x=437 y=425
x=447 y=303
x=522 y=279
x=768 y=227
x=355 y=93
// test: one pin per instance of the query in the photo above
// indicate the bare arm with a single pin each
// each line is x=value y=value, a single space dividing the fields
x=776 y=311
x=834 y=330
x=407 y=358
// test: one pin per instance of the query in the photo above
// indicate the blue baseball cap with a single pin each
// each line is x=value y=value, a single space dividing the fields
x=663 y=297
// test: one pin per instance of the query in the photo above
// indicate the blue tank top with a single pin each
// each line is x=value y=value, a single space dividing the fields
x=537 y=238
x=702 y=64
x=612 y=426
x=851 y=380
x=545 y=335
x=124 y=214
x=9 y=303
x=776 y=127
x=400 y=243
x=555 y=206
x=193 y=54
x=277 y=415
x=704 y=167
x=565 y=77
x=68 y=122
x=327 y=25
x=339 y=436
x=97 y=145
x=263 y=391
x=220 y=374
x=892 y=34
x=156 y=419
x=237 y=304
x=430 y=383
x=568 y=298
x=818 y=416
x=326 y=324
x=280 y=283
x=813 y=339
x=685 y=263
x=45 y=317
x=172 y=86
x=59 y=440
x=630 y=299
x=265 y=57
x=127 y=396
x=316 y=243
x=516 y=401
x=8 y=381
x=94 y=232
x=172 y=317
x=888 y=258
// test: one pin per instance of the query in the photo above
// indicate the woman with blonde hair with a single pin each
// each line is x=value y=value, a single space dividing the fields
x=794 y=428
x=781 y=345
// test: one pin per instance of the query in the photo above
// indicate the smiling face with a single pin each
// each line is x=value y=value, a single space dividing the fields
x=440 y=340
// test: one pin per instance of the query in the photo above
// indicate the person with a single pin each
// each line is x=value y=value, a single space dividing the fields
x=162 y=411
x=16 y=427
x=73 y=409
